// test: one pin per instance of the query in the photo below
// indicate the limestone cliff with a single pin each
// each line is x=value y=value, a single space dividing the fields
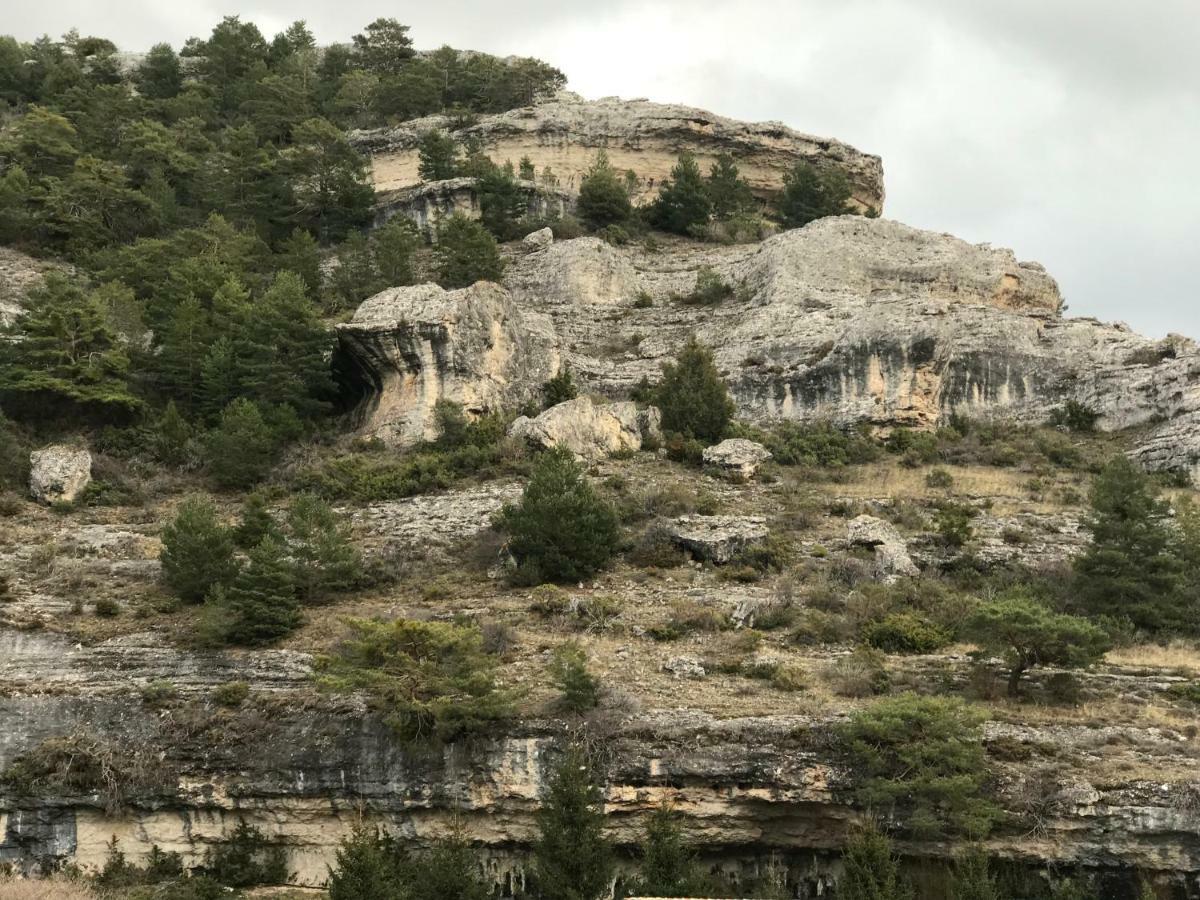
x=425 y=205
x=564 y=134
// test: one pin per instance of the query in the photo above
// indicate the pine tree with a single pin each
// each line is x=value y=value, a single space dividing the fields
x=501 y=202
x=383 y=47
x=371 y=865
x=579 y=689
x=810 y=194
x=559 y=389
x=872 y=872
x=197 y=551
x=328 y=180
x=1129 y=568
x=256 y=522
x=668 y=866
x=572 y=860
x=603 y=198
x=218 y=377
x=181 y=352
x=437 y=155
x=261 y=601
x=159 y=77
x=62 y=357
x=466 y=253
x=393 y=246
x=683 y=204
x=356 y=276
x=526 y=170
x=172 y=437
x=971 y=879
x=692 y=396
x=560 y=530
x=300 y=254
x=241 y=448
x=449 y=871
x=728 y=191
x=324 y=560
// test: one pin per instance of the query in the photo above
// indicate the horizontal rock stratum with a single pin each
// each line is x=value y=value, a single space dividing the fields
x=565 y=133
x=847 y=320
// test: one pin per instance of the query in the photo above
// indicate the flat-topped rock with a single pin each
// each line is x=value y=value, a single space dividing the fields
x=591 y=430
x=736 y=458
x=718 y=539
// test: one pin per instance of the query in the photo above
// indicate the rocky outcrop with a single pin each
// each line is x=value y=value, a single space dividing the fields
x=19 y=274
x=411 y=347
x=590 y=430
x=891 y=552
x=582 y=272
x=563 y=134
x=538 y=240
x=718 y=539
x=59 y=473
x=426 y=205
x=736 y=458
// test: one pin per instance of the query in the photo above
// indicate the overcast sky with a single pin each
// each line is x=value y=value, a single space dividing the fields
x=1068 y=130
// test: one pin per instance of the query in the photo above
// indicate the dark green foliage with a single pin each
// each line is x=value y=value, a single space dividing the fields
x=872 y=871
x=922 y=758
x=448 y=871
x=561 y=530
x=393 y=246
x=383 y=47
x=61 y=357
x=971 y=878
x=710 y=290
x=683 y=205
x=906 y=632
x=953 y=522
x=1074 y=416
x=431 y=681
x=819 y=444
x=197 y=551
x=559 y=389
x=810 y=193
x=323 y=559
x=437 y=156
x=242 y=447
x=1129 y=568
x=370 y=865
x=328 y=179
x=603 y=197
x=572 y=860
x=260 y=605
x=579 y=689
x=728 y=192
x=301 y=254
x=159 y=77
x=1029 y=634
x=14 y=455
x=668 y=867
x=466 y=253
x=692 y=395
x=502 y=204
x=246 y=859
x=256 y=522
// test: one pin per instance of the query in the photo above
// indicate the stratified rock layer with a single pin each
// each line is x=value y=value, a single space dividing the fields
x=427 y=205
x=564 y=134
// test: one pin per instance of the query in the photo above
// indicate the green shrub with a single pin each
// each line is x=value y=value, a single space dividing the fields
x=231 y=693
x=906 y=633
x=106 y=608
x=431 y=681
x=1074 y=416
x=862 y=673
x=260 y=605
x=810 y=193
x=668 y=866
x=559 y=389
x=603 y=198
x=370 y=865
x=683 y=205
x=323 y=560
x=560 y=530
x=953 y=523
x=939 y=479
x=692 y=396
x=241 y=449
x=871 y=870
x=922 y=758
x=579 y=689
x=817 y=444
x=572 y=860
x=246 y=859
x=159 y=693
x=466 y=253
x=710 y=289
x=197 y=551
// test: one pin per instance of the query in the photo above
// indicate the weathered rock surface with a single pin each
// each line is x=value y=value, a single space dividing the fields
x=581 y=272
x=413 y=346
x=59 y=473
x=426 y=205
x=565 y=132
x=718 y=539
x=891 y=552
x=19 y=273
x=538 y=240
x=590 y=430
x=736 y=458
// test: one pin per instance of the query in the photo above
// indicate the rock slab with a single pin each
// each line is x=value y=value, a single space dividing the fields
x=59 y=473
x=590 y=430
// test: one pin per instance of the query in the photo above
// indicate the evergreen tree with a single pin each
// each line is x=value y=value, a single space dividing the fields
x=182 y=350
x=241 y=448
x=872 y=872
x=172 y=437
x=572 y=860
x=668 y=866
x=526 y=170
x=218 y=377
x=17 y=215
x=62 y=357
x=437 y=156
x=810 y=194
x=501 y=203
x=579 y=688
x=43 y=143
x=159 y=77
x=328 y=180
x=370 y=865
x=728 y=191
x=393 y=246
x=300 y=254
x=449 y=871
x=256 y=522
x=356 y=276
x=560 y=530
x=971 y=879
x=197 y=551
x=559 y=389
x=324 y=560
x=383 y=47
x=692 y=395
x=683 y=204
x=603 y=198
x=466 y=253
x=261 y=601
x=1129 y=568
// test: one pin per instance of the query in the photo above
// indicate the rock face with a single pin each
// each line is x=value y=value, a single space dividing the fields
x=426 y=205
x=582 y=272
x=591 y=430
x=717 y=539
x=891 y=553
x=413 y=346
x=538 y=240
x=736 y=458
x=59 y=473
x=564 y=134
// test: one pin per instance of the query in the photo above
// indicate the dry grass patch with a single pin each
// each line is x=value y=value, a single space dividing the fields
x=1179 y=655
x=44 y=889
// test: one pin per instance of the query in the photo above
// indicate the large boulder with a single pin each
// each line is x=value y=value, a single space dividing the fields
x=59 y=473
x=585 y=271
x=891 y=552
x=591 y=430
x=410 y=347
x=538 y=240
x=718 y=539
x=736 y=458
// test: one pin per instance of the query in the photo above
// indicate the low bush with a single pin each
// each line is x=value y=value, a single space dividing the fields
x=231 y=693
x=862 y=673
x=817 y=445
x=246 y=858
x=906 y=633
x=710 y=289
x=579 y=690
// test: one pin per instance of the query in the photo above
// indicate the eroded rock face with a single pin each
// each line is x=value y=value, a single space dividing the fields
x=538 y=240
x=59 y=473
x=414 y=346
x=582 y=272
x=426 y=205
x=718 y=539
x=736 y=458
x=590 y=430
x=891 y=552
x=565 y=132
